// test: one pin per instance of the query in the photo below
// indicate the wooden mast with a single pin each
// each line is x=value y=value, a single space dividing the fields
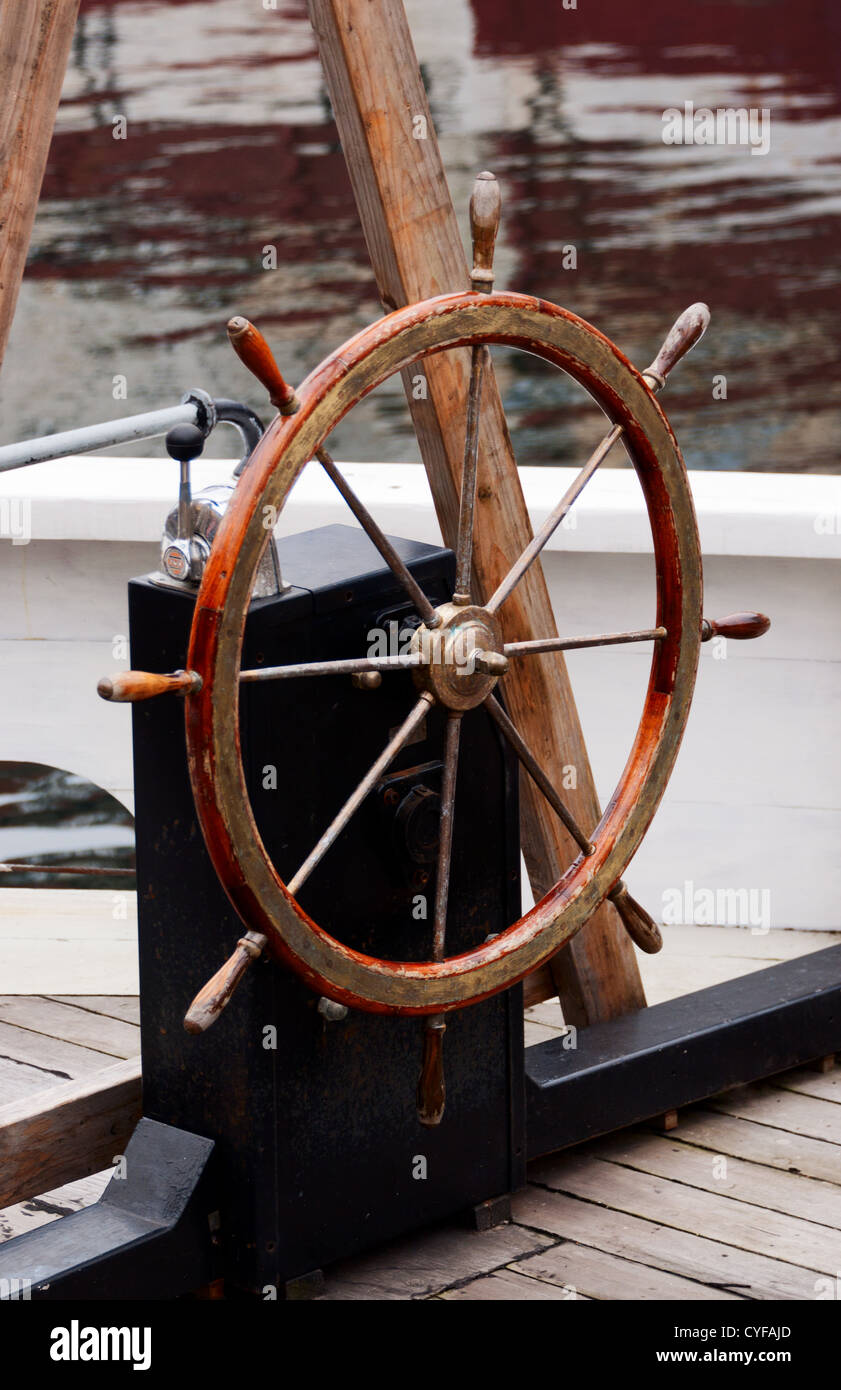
x=416 y=251
x=35 y=37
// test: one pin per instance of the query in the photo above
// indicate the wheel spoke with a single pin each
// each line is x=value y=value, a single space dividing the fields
x=537 y=774
x=467 y=504
x=554 y=520
x=536 y=645
x=397 y=566
x=445 y=836
x=346 y=666
x=356 y=798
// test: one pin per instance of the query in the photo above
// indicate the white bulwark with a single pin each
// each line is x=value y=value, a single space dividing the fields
x=753 y=811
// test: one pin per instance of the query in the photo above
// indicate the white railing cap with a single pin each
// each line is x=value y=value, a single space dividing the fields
x=100 y=498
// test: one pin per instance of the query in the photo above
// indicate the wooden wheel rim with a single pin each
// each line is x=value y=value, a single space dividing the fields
x=212 y=722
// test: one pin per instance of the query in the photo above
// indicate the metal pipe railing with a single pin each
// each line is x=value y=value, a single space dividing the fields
x=196 y=408
x=102 y=436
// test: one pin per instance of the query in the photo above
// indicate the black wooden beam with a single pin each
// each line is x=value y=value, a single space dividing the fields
x=671 y=1054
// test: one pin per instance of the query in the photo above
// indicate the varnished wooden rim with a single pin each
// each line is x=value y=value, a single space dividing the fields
x=221 y=798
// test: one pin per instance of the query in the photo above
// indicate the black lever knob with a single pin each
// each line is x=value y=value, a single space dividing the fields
x=184 y=443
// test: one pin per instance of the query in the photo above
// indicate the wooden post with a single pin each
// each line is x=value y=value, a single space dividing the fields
x=35 y=38
x=416 y=251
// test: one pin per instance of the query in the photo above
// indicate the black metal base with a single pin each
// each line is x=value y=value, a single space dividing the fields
x=671 y=1054
x=150 y=1235
x=320 y=1151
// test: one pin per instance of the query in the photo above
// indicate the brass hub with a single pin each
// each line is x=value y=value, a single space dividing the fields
x=449 y=653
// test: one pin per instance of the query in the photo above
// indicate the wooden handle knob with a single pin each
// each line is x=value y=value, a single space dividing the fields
x=741 y=626
x=485 y=204
x=211 y=1000
x=127 y=687
x=432 y=1091
x=642 y=929
x=682 y=336
x=254 y=352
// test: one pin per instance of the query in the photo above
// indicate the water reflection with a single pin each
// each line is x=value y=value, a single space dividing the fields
x=51 y=817
x=143 y=246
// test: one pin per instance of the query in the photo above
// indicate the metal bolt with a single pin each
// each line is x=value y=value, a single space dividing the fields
x=491 y=663
x=333 y=1012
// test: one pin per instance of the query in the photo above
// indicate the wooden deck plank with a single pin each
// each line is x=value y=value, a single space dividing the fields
x=663 y=1247
x=65 y=1060
x=68 y=1023
x=429 y=1262
x=537 y=1032
x=49 y=1206
x=508 y=1285
x=769 y=1105
x=821 y=1085
x=18 y=1081
x=600 y=1274
x=548 y=1013
x=676 y=1159
x=725 y=1219
x=763 y=1144
x=124 y=1006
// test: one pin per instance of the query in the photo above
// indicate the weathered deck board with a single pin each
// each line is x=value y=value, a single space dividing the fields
x=770 y=1105
x=37 y=1211
x=674 y=1158
x=823 y=1086
x=63 y=1059
x=598 y=1274
x=19 y=1081
x=762 y=1144
x=508 y=1285
x=68 y=1023
x=725 y=1219
x=647 y=1242
x=537 y=1032
x=126 y=1007
x=430 y=1262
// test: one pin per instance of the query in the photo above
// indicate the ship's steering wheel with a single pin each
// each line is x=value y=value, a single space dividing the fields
x=458 y=656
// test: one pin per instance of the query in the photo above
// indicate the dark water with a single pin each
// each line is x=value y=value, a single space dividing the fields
x=49 y=817
x=143 y=247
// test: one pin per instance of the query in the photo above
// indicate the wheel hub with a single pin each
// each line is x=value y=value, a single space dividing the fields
x=449 y=654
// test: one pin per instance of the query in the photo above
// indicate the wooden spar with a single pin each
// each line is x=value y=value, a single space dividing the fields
x=416 y=251
x=67 y=1132
x=34 y=43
